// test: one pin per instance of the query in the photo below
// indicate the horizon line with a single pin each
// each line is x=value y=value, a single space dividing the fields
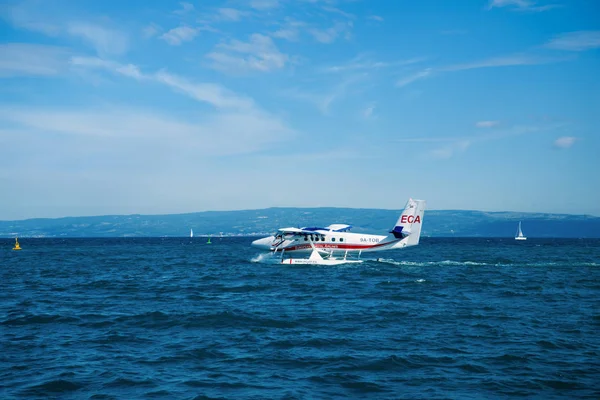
x=292 y=207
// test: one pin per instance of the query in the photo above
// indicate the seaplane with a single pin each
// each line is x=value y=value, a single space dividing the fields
x=333 y=244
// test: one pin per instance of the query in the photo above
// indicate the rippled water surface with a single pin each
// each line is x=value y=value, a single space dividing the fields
x=182 y=319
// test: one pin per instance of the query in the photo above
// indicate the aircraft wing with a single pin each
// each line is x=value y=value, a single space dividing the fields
x=312 y=231
x=297 y=231
x=339 y=227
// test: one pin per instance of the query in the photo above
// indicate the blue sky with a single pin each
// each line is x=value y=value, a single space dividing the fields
x=165 y=107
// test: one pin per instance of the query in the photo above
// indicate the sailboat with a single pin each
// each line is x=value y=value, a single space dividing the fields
x=191 y=233
x=520 y=233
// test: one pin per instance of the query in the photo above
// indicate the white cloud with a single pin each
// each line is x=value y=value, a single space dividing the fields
x=210 y=93
x=143 y=137
x=330 y=35
x=288 y=34
x=450 y=150
x=335 y=10
x=127 y=160
x=575 y=41
x=93 y=62
x=506 y=3
x=324 y=100
x=414 y=77
x=493 y=62
x=219 y=134
x=46 y=18
x=459 y=144
x=505 y=61
x=258 y=54
x=368 y=111
x=130 y=71
x=23 y=59
x=375 y=18
x=185 y=8
x=521 y=5
x=324 y=35
x=290 y=30
x=151 y=30
x=33 y=16
x=178 y=35
x=565 y=142
x=360 y=63
x=487 y=124
x=105 y=41
x=230 y=14
x=264 y=4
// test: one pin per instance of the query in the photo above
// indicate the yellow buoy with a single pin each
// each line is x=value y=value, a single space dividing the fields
x=17 y=246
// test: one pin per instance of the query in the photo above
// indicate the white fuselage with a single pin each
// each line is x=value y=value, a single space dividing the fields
x=329 y=241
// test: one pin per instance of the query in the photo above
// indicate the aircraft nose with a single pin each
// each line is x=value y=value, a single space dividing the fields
x=264 y=243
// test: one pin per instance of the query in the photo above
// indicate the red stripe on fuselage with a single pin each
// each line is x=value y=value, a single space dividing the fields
x=328 y=246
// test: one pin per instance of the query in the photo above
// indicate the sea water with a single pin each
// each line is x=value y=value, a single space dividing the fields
x=178 y=318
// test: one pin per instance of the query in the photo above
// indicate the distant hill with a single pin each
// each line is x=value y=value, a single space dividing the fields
x=437 y=223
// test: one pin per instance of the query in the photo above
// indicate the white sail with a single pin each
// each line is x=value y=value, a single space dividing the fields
x=191 y=233
x=520 y=235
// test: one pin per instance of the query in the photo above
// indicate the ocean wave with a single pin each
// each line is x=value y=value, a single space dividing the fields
x=55 y=386
x=36 y=319
x=163 y=320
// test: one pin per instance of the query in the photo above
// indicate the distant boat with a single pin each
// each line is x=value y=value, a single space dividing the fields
x=520 y=233
x=208 y=242
x=17 y=246
x=191 y=233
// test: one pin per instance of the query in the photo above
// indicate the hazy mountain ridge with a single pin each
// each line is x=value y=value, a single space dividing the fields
x=265 y=221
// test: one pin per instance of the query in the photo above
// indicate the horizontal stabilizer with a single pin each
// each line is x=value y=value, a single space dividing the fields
x=399 y=232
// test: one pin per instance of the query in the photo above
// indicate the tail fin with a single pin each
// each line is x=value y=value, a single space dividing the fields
x=409 y=224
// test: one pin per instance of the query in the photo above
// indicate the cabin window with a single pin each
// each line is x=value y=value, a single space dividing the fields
x=305 y=238
x=333 y=239
x=341 y=239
